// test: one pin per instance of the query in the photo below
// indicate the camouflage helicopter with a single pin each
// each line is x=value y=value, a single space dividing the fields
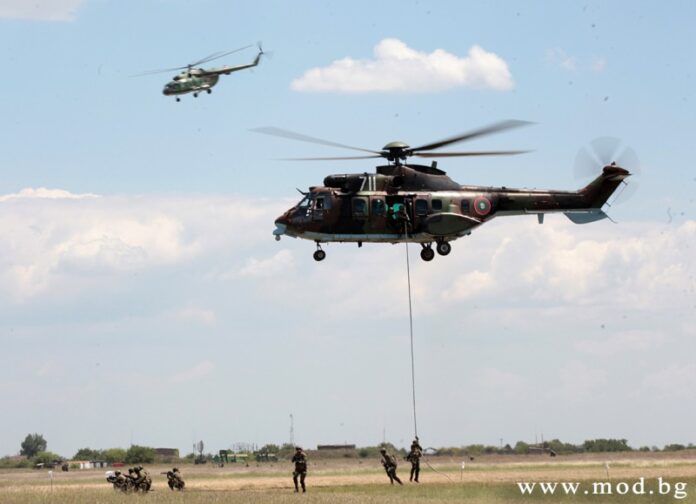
x=404 y=202
x=195 y=80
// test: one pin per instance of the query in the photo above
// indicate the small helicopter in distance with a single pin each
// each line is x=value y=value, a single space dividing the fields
x=420 y=204
x=195 y=80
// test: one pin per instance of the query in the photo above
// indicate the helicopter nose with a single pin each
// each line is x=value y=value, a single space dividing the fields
x=281 y=226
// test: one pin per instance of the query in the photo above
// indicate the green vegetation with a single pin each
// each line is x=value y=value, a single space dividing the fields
x=33 y=444
x=140 y=455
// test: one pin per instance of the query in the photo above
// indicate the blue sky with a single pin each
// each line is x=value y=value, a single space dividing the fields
x=146 y=268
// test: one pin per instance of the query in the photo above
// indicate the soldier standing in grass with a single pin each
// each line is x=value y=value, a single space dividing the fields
x=414 y=457
x=300 y=461
x=389 y=463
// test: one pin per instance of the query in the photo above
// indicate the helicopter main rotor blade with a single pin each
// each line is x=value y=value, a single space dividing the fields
x=488 y=130
x=470 y=153
x=217 y=55
x=166 y=70
x=340 y=158
x=269 y=130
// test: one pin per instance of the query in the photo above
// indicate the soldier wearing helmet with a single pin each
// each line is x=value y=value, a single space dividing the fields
x=300 y=461
x=389 y=464
x=414 y=457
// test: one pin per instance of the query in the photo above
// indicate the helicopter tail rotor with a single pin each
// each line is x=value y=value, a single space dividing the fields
x=609 y=151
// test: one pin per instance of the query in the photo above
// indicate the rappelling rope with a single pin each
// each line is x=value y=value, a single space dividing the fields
x=413 y=361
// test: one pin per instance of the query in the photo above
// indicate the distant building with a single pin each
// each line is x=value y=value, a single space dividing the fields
x=89 y=464
x=166 y=454
x=336 y=447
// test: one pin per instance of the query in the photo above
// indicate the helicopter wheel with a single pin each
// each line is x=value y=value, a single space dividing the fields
x=178 y=99
x=319 y=255
x=209 y=91
x=195 y=95
x=444 y=248
x=427 y=254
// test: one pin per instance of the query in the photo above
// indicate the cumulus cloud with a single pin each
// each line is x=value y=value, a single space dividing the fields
x=52 y=235
x=397 y=67
x=40 y=10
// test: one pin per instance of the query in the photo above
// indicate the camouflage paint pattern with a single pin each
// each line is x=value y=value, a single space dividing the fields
x=414 y=203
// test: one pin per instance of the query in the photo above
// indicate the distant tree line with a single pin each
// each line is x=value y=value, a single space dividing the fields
x=33 y=451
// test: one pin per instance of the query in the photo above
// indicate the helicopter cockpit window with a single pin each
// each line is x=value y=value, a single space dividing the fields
x=360 y=208
x=436 y=204
x=421 y=207
x=304 y=203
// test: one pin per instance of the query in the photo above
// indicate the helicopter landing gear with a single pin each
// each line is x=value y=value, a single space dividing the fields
x=427 y=254
x=319 y=254
x=209 y=91
x=195 y=95
x=443 y=248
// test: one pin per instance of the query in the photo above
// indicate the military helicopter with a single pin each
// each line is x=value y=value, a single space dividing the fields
x=404 y=202
x=195 y=80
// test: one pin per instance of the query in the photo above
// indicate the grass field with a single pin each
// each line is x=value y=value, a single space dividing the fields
x=486 y=480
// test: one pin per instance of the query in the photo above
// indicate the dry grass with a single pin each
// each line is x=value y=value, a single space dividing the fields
x=350 y=481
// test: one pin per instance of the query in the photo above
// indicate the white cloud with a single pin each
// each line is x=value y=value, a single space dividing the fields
x=397 y=67
x=578 y=381
x=279 y=262
x=672 y=382
x=198 y=371
x=198 y=315
x=558 y=57
x=40 y=10
x=52 y=235
x=622 y=342
x=42 y=192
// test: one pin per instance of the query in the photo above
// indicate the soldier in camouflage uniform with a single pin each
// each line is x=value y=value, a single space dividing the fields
x=414 y=457
x=119 y=481
x=389 y=463
x=174 y=480
x=141 y=480
x=300 y=461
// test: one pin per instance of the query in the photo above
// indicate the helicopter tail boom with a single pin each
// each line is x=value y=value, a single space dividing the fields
x=597 y=192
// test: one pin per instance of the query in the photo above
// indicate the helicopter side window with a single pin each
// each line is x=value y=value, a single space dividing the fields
x=360 y=208
x=323 y=201
x=421 y=207
x=436 y=204
x=465 y=206
x=378 y=207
